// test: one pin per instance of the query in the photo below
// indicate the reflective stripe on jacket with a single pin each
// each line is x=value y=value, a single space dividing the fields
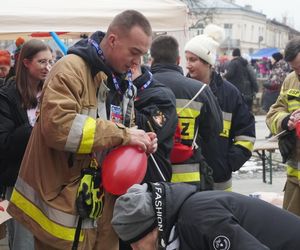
x=65 y=134
x=186 y=173
x=233 y=147
x=57 y=223
x=201 y=119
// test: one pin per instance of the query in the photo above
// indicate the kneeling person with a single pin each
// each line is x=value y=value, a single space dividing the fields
x=176 y=216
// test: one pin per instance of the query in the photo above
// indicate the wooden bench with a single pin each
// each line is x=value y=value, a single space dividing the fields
x=261 y=147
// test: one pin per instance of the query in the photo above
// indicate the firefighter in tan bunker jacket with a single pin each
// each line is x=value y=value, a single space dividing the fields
x=83 y=92
x=283 y=116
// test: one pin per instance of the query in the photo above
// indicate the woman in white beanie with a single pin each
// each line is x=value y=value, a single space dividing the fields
x=233 y=147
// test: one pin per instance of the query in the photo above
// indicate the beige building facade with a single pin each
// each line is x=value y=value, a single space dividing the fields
x=244 y=27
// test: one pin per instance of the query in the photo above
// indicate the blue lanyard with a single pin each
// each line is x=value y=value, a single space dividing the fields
x=97 y=47
x=129 y=91
x=146 y=85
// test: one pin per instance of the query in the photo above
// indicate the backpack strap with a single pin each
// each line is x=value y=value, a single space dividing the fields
x=194 y=145
x=195 y=96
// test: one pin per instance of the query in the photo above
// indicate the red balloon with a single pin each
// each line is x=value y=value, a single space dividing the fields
x=298 y=129
x=123 y=167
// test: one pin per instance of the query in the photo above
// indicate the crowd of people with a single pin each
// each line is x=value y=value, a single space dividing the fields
x=61 y=116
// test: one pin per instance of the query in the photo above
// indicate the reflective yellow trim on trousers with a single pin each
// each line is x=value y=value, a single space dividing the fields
x=36 y=214
x=293 y=172
x=245 y=144
x=185 y=177
x=88 y=135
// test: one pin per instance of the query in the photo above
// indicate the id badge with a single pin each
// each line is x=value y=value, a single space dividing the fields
x=116 y=115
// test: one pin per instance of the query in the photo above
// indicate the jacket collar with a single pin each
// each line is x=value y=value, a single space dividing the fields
x=165 y=67
x=143 y=80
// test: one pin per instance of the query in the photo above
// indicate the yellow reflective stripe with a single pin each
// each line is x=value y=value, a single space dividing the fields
x=187 y=119
x=88 y=135
x=226 y=128
x=37 y=215
x=245 y=144
x=275 y=121
x=188 y=112
x=180 y=103
x=293 y=105
x=186 y=177
x=293 y=92
x=293 y=172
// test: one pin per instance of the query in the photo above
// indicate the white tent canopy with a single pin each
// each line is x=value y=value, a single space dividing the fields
x=21 y=17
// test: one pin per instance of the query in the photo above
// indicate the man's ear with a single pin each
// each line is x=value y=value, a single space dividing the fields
x=112 y=40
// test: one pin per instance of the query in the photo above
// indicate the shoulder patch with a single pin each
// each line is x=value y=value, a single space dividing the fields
x=159 y=118
x=293 y=92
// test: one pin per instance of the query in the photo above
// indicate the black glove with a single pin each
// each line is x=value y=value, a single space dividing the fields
x=286 y=144
x=207 y=180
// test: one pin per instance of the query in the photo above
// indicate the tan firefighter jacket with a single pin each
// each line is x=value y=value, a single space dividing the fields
x=287 y=102
x=65 y=134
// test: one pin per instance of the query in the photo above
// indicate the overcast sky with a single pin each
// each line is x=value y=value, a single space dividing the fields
x=277 y=9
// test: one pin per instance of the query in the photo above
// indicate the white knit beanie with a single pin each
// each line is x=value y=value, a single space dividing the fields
x=205 y=46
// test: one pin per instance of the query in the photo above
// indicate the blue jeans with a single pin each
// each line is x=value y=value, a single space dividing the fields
x=18 y=236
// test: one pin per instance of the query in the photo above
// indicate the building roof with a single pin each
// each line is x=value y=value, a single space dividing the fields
x=197 y=5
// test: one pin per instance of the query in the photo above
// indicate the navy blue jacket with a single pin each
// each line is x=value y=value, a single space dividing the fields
x=155 y=107
x=233 y=147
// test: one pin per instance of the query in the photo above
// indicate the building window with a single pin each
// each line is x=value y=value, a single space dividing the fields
x=228 y=30
x=200 y=28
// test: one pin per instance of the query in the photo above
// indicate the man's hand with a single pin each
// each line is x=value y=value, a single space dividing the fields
x=294 y=118
x=145 y=141
x=153 y=145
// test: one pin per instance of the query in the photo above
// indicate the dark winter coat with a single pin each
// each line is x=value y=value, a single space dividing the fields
x=156 y=104
x=222 y=220
x=241 y=75
x=184 y=88
x=15 y=131
x=200 y=121
x=233 y=147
